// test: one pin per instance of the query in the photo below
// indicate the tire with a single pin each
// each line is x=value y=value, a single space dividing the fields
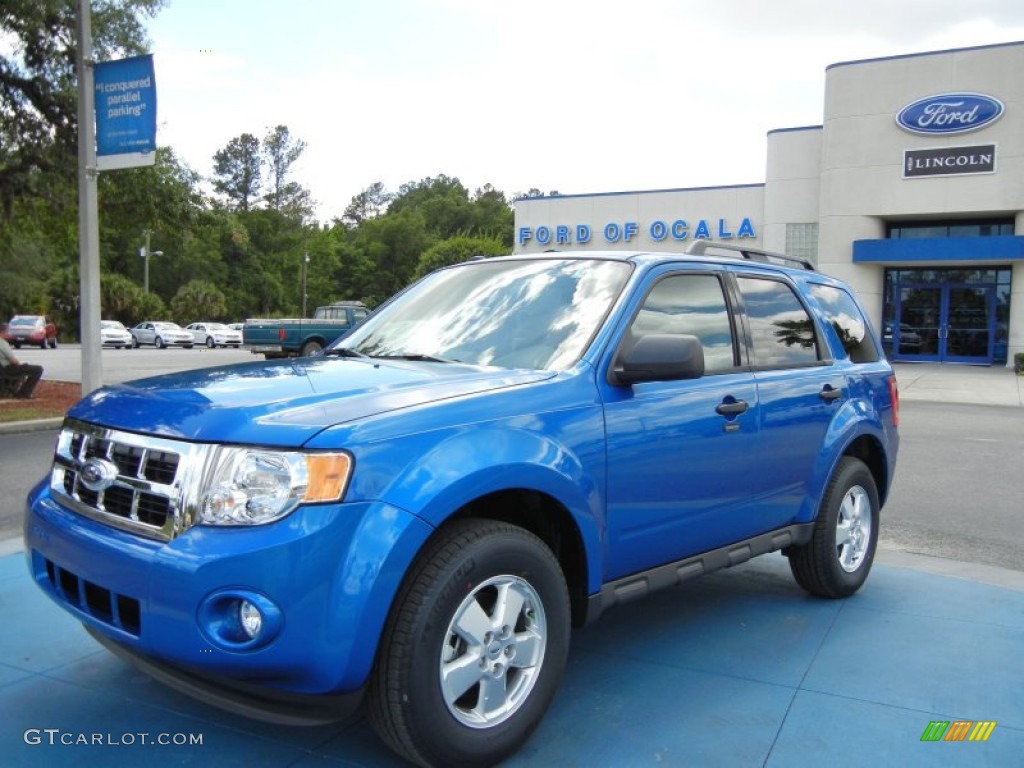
x=17 y=344
x=160 y=343
x=210 y=343
x=838 y=558
x=508 y=582
x=135 y=342
x=311 y=347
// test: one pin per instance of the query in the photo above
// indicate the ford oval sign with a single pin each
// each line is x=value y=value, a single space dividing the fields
x=950 y=113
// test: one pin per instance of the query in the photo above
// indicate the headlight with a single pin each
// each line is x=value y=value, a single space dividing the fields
x=250 y=486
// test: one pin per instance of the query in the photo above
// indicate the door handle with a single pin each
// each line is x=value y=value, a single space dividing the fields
x=829 y=393
x=731 y=408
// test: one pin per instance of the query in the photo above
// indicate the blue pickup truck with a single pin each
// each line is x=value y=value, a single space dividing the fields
x=413 y=520
x=291 y=337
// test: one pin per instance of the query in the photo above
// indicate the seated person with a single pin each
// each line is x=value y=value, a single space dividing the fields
x=22 y=376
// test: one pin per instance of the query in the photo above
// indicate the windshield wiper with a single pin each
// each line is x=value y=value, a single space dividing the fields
x=417 y=357
x=345 y=352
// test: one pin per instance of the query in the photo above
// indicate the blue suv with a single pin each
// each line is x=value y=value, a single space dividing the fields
x=414 y=518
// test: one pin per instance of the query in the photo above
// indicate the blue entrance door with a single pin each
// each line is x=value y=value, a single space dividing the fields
x=946 y=323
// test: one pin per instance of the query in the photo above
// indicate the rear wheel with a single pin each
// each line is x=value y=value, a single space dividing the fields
x=474 y=648
x=310 y=348
x=837 y=559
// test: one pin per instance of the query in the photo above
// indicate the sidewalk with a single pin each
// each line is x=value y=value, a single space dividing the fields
x=965 y=384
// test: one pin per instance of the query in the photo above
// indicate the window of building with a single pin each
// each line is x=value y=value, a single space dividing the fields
x=782 y=332
x=802 y=241
x=975 y=228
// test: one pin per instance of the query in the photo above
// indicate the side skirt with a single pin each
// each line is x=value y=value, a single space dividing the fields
x=641 y=584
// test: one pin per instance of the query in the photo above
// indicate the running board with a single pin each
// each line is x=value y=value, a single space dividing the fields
x=638 y=585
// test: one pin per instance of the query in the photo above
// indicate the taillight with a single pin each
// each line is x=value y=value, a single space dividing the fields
x=894 y=396
x=282 y=334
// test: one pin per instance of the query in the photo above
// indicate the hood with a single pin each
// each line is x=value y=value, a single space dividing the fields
x=286 y=402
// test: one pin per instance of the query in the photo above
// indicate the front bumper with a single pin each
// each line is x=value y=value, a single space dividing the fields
x=330 y=570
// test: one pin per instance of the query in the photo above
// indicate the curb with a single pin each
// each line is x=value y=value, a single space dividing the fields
x=36 y=425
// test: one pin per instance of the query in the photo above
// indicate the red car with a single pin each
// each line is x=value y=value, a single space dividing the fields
x=31 y=329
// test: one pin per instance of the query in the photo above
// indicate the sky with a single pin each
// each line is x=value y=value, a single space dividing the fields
x=577 y=96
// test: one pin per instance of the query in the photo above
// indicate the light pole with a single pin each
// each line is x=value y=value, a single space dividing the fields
x=145 y=253
x=305 y=271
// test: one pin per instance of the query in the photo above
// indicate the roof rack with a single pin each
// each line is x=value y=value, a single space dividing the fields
x=699 y=248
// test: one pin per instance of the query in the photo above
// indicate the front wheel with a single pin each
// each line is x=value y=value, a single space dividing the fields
x=474 y=647
x=837 y=559
x=210 y=343
x=160 y=344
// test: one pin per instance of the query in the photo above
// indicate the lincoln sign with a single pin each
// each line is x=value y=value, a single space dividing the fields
x=949 y=161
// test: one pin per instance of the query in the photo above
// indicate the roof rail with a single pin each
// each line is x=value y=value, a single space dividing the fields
x=699 y=248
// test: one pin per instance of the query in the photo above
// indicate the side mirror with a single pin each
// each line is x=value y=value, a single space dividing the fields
x=660 y=357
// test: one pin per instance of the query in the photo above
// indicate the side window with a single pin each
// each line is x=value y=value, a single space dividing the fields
x=693 y=305
x=846 y=319
x=782 y=332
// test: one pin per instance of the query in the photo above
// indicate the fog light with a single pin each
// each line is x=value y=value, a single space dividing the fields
x=239 y=619
x=251 y=618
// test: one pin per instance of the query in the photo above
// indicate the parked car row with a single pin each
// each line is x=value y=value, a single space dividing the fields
x=163 y=333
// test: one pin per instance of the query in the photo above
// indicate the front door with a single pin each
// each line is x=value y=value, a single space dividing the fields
x=946 y=323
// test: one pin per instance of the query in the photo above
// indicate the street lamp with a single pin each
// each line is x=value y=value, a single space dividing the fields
x=145 y=253
x=305 y=271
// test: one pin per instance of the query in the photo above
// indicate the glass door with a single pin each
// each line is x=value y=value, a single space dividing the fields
x=918 y=333
x=969 y=323
x=944 y=323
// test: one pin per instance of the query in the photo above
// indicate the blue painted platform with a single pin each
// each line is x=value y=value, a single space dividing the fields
x=738 y=669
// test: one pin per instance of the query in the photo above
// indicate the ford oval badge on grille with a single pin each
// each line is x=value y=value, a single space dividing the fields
x=948 y=113
x=98 y=474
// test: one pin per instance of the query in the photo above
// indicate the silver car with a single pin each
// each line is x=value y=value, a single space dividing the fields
x=214 y=335
x=161 y=333
x=114 y=334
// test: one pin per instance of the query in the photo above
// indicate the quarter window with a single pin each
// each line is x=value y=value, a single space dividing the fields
x=846 y=320
x=782 y=332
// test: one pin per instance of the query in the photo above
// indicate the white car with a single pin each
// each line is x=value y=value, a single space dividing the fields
x=214 y=335
x=162 y=334
x=114 y=334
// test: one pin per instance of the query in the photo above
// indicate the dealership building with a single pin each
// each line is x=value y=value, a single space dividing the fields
x=911 y=190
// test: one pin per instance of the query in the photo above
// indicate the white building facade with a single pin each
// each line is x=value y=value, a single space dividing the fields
x=911 y=190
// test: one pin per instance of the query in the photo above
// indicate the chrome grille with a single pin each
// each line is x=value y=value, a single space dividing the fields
x=148 y=494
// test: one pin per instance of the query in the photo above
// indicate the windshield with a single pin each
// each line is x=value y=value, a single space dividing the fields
x=26 y=321
x=167 y=326
x=511 y=314
x=112 y=325
x=217 y=327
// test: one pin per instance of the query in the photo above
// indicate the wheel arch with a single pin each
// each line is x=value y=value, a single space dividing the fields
x=549 y=520
x=869 y=450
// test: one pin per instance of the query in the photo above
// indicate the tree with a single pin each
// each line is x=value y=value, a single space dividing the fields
x=280 y=151
x=368 y=204
x=197 y=300
x=38 y=95
x=236 y=171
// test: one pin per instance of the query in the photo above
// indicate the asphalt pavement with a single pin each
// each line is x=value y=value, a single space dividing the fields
x=740 y=668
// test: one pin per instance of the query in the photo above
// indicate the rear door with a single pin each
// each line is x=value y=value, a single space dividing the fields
x=799 y=389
